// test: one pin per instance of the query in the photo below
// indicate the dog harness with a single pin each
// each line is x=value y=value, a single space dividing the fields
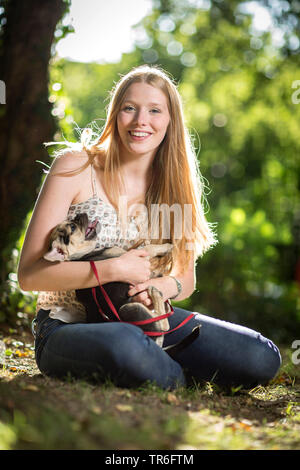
x=139 y=322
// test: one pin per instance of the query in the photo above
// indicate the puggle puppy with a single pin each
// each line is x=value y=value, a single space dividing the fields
x=75 y=240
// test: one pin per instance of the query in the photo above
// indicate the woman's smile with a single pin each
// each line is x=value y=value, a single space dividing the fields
x=139 y=135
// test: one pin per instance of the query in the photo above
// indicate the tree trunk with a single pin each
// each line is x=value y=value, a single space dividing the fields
x=25 y=120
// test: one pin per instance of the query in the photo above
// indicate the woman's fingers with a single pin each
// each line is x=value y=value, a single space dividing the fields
x=136 y=289
x=142 y=297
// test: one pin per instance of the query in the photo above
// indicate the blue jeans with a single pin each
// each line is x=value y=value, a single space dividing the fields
x=224 y=353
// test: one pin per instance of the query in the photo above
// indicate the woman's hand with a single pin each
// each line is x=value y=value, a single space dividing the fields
x=139 y=292
x=133 y=267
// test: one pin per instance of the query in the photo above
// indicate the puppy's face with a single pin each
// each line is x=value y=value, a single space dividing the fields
x=72 y=237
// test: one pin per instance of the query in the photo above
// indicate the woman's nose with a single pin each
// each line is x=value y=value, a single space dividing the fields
x=141 y=117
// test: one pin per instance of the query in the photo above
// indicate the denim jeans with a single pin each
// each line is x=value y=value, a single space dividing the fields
x=224 y=353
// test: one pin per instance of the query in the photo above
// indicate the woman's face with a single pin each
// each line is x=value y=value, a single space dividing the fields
x=142 y=120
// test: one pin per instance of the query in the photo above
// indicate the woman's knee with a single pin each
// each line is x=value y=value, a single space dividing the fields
x=84 y=350
x=234 y=355
x=267 y=360
x=256 y=365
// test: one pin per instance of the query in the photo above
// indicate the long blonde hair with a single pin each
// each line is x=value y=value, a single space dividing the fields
x=176 y=178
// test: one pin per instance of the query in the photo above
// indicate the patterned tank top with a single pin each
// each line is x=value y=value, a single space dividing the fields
x=63 y=305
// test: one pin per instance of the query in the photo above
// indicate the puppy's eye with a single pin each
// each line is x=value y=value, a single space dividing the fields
x=72 y=227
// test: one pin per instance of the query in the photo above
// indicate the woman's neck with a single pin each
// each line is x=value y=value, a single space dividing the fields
x=136 y=175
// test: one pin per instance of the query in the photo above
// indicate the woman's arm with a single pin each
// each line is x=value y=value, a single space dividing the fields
x=56 y=196
x=51 y=208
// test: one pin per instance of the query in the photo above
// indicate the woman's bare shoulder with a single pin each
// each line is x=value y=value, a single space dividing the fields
x=69 y=160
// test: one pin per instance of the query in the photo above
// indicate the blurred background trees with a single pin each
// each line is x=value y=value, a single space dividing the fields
x=27 y=38
x=236 y=80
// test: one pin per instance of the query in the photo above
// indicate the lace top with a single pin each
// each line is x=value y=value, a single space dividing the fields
x=63 y=305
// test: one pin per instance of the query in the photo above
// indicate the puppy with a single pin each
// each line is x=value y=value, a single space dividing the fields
x=75 y=240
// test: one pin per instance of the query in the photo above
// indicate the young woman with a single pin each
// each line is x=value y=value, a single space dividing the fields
x=145 y=158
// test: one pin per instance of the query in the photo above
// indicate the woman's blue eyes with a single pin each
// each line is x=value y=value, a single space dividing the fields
x=131 y=108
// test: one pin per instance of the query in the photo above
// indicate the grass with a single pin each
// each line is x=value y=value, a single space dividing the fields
x=41 y=413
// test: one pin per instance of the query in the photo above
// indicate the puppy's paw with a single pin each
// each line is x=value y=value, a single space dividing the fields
x=154 y=293
x=137 y=312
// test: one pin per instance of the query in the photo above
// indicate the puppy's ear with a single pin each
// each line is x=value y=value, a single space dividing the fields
x=92 y=230
x=54 y=255
x=81 y=219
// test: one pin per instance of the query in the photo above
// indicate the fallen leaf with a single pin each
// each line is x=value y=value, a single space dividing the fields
x=96 y=409
x=245 y=425
x=171 y=398
x=125 y=393
x=21 y=353
x=31 y=388
x=17 y=344
x=16 y=369
x=122 y=407
x=283 y=379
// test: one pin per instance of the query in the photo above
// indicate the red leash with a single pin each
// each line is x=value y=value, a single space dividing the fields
x=137 y=323
x=109 y=302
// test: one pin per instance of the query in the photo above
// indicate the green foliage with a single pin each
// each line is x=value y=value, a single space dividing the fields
x=17 y=306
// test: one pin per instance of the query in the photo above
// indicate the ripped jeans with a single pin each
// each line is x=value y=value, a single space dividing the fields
x=224 y=353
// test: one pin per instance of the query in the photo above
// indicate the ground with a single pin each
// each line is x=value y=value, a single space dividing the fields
x=37 y=412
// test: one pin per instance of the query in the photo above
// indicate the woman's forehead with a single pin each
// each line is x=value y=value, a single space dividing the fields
x=144 y=92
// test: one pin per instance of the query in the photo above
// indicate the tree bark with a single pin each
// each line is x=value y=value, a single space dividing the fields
x=25 y=120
